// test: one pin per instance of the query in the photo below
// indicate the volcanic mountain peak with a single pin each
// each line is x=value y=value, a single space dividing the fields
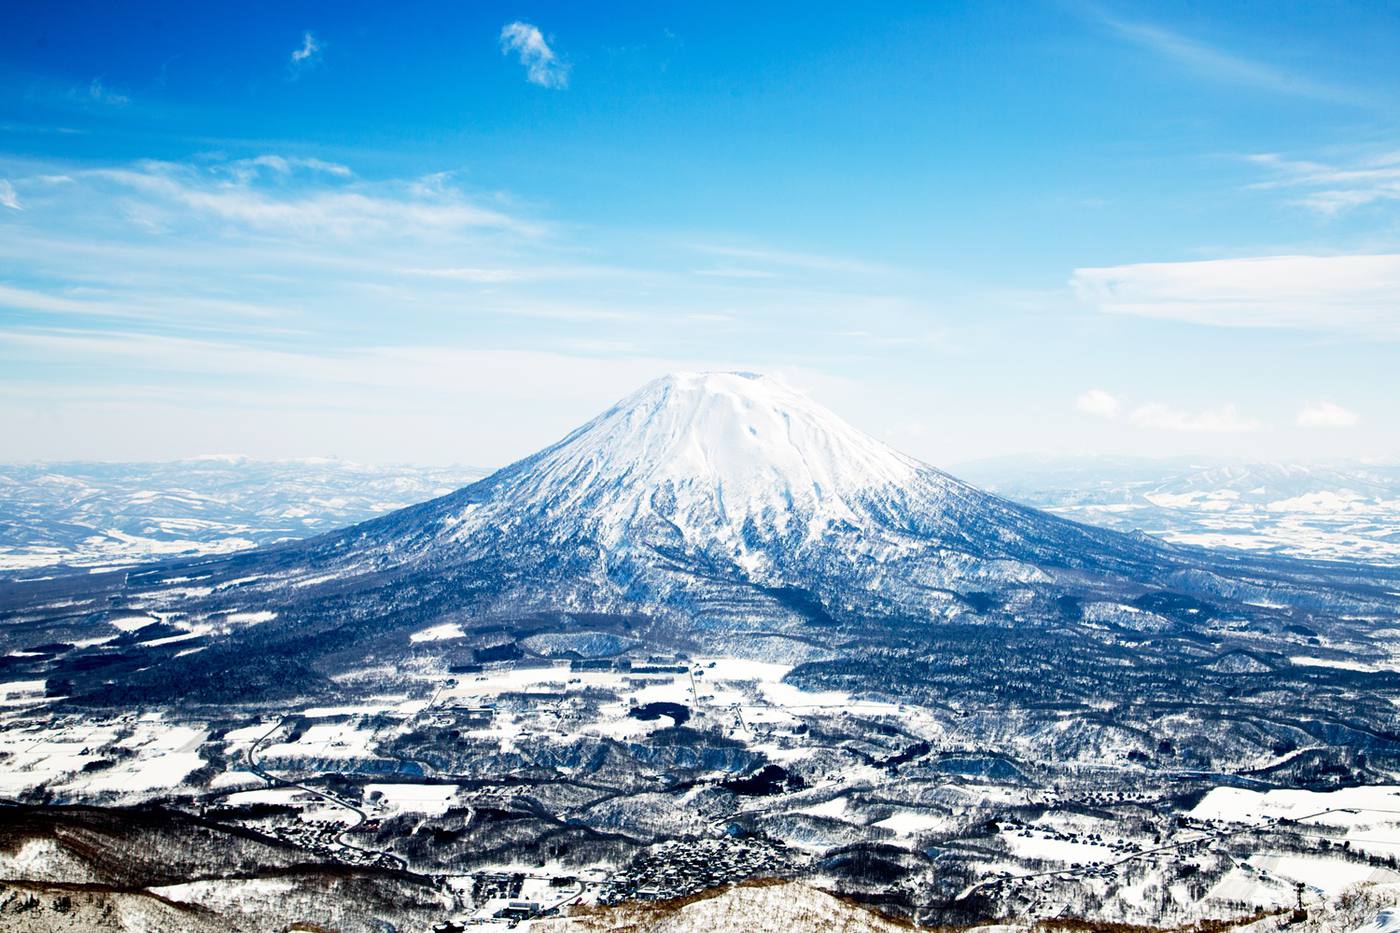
x=739 y=430
x=709 y=451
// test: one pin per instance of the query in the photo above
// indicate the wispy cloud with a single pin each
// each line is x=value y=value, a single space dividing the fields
x=763 y=262
x=81 y=303
x=502 y=275
x=372 y=402
x=99 y=92
x=246 y=169
x=297 y=286
x=542 y=65
x=268 y=245
x=1346 y=294
x=1225 y=419
x=1326 y=415
x=1330 y=188
x=8 y=197
x=1218 y=64
x=305 y=55
x=1098 y=403
x=174 y=191
x=734 y=272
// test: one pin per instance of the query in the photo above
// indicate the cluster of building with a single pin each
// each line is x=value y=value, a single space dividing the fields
x=323 y=838
x=684 y=866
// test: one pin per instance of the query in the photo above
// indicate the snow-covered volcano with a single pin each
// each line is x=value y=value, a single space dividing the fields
x=704 y=482
x=712 y=460
x=729 y=512
x=712 y=451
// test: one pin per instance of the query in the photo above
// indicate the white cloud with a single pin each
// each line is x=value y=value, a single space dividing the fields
x=308 y=52
x=1355 y=294
x=1099 y=403
x=1326 y=415
x=542 y=66
x=1223 y=420
x=8 y=197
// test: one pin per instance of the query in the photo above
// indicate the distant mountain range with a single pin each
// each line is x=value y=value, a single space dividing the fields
x=106 y=514
x=1340 y=511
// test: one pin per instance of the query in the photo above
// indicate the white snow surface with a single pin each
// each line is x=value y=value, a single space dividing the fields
x=706 y=452
x=444 y=632
x=430 y=799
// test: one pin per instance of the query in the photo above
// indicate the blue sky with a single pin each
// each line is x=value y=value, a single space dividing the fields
x=449 y=232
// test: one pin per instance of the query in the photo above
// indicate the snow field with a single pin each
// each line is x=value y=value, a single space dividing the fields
x=428 y=799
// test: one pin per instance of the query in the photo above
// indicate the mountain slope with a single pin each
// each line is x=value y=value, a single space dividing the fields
x=702 y=482
x=772 y=907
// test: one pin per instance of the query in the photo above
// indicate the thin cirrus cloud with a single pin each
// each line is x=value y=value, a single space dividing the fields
x=245 y=170
x=1358 y=294
x=769 y=261
x=1214 y=63
x=1326 y=415
x=276 y=247
x=8 y=197
x=172 y=193
x=390 y=396
x=542 y=65
x=270 y=246
x=117 y=303
x=1331 y=188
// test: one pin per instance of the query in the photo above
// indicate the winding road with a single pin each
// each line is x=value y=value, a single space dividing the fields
x=375 y=856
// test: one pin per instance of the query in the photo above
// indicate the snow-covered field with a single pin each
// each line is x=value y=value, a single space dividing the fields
x=1057 y=840
x=412 y=798
x=1366 y=818
x=1037 y=844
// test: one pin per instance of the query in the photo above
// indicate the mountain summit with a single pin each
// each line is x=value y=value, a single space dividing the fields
x=733 y=446
x=712 y=459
